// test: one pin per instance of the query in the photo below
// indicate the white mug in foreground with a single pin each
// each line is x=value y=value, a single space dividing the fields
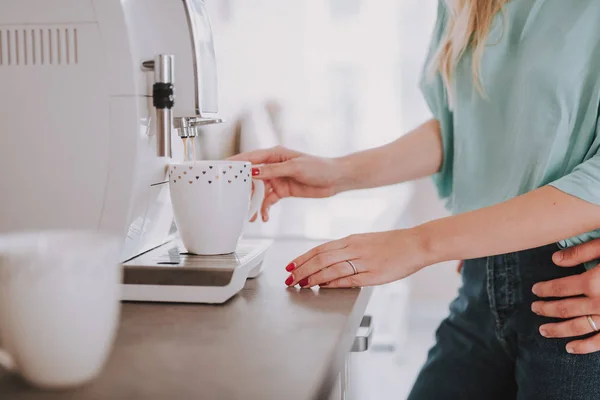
x=59 y=305
x=212 y=201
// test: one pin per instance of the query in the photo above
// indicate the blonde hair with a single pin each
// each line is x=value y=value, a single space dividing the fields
x=468 y=26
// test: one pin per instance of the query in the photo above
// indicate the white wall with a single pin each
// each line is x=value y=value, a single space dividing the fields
x=437 y=284
x=283 y=49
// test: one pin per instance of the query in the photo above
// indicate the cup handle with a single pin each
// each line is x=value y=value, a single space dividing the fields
x=6 y=361
x=257 y=198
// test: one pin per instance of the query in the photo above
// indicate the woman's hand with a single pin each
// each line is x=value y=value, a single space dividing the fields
x=288 y=173
x=575 y=310
x=378 y=257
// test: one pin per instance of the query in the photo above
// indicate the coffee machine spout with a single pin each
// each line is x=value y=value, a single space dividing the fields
x=187 y=126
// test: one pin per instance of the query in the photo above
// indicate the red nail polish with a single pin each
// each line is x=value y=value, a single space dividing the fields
x=290 y=267
x=304 y=282
x=255 y=171
x=289 y=280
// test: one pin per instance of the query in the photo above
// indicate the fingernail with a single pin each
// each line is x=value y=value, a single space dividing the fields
x=255 y=171
x=289 y=280
x=290 y=267
x=535 y=289
x=304 y=282
x=558 y=256
x=570 y=350
x=543 y=331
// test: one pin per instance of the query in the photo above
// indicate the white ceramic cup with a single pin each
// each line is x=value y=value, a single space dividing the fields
x=212 y=201
x=59 y=305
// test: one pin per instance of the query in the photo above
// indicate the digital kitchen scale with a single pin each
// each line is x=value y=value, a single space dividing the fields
x=169 y=274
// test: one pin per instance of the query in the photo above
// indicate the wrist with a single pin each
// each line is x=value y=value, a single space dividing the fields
x=345 y=175
x=434 y=248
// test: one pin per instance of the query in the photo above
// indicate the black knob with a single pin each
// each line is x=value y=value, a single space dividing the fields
x=163 y=95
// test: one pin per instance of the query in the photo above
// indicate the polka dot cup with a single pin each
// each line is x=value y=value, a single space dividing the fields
x=212 y=200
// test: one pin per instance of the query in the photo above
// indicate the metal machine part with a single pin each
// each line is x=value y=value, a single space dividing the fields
x=187 y=126
x=204 y=59
x=205 y=71
x=163 y=96
x=164 y=99
x=169 y=274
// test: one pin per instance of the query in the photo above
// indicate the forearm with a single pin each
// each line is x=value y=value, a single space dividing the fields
x=415 y=155
x=540 y=217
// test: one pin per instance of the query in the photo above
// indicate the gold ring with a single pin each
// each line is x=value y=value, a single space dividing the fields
x=592 y=323
x=353 y=266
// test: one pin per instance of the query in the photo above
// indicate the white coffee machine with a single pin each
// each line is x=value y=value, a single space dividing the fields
x=94 y=95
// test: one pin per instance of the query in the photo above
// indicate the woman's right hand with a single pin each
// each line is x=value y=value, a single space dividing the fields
x=288 y=173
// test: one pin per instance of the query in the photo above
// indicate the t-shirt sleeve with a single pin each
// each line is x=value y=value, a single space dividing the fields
x=584 y=181
x=434 y=92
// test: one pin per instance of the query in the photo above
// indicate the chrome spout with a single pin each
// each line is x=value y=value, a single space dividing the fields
x=188 y=126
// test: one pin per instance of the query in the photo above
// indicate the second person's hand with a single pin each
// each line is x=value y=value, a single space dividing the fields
x=574 y=299
x=289 y=173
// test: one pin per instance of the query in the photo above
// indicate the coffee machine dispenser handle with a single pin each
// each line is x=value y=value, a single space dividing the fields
x=163 y=98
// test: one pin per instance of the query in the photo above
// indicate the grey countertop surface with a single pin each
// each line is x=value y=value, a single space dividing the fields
x=268 y=342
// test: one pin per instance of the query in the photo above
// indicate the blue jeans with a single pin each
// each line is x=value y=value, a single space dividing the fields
x=490 y=347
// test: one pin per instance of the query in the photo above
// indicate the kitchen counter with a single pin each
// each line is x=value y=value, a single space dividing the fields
x=268 y=342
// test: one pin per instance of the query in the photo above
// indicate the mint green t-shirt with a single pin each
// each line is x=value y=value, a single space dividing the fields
x=538 y=123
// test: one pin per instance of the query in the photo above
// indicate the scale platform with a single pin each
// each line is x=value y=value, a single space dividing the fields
x=169 y=274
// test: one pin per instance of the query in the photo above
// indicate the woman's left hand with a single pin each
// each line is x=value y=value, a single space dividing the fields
x=378 y=257
x=575 y=310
